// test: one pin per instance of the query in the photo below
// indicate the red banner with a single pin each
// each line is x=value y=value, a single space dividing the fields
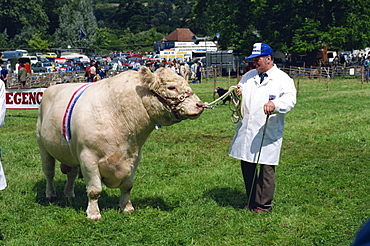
x=24 y=98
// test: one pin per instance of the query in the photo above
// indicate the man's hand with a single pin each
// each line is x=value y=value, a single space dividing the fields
x=238 y=91
x=269 y=107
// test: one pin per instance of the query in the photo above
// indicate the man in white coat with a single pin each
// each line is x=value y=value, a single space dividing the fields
x=2 y=116
x=267 y=94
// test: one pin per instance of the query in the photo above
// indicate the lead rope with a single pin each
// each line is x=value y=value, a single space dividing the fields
x=234 y=104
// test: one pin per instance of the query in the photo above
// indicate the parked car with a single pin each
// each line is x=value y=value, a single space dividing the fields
x=51 y=55
x=40 y=67
x=40 y=55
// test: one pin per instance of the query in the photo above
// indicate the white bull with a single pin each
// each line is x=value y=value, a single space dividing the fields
x=101 y=128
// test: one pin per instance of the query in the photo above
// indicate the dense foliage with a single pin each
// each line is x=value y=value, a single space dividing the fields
x=289 y=25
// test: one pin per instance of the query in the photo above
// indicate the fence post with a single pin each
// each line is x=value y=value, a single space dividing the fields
x=214 y=84
x=362 y=76
x=298 y=85
x=228 y=79
x=327 y=84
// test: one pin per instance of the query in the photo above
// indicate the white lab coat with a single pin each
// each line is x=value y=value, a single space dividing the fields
x=279 y=88
x=2 y=116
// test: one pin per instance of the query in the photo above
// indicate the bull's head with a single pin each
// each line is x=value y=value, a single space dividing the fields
x=173 y=94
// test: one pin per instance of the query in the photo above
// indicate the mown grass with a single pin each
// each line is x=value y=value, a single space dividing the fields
x=189 y=192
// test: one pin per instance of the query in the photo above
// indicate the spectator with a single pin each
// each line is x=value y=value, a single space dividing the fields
x=186 y=71
x=367 y=67
x=105 y=69
x=90 y=71
x=22 y=76
x=4 y=75
x=192 y=70
x=77 y=67
x=198 y=72
x=148 y=64
x=69 y=68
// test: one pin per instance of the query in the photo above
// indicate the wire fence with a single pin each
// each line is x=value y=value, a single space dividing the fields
x=51 y=78
x=208 y=74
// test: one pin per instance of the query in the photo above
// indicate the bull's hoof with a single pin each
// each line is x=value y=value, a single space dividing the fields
x=69 y=194
x=52 y=198
x=94 y=217
x=128 y=210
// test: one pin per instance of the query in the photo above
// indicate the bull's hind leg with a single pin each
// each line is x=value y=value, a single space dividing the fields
x=48 y=167
x=70 y=185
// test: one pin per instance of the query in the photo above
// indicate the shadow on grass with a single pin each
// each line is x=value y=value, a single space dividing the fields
x=227 y=197
x=21 y=116
x=106 y=201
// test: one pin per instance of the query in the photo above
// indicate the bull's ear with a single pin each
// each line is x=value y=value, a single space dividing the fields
x=146 y=76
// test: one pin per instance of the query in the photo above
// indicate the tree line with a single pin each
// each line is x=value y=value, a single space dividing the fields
x=287 y=25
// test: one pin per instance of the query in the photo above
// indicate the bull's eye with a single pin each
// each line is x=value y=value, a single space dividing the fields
x=172 y=88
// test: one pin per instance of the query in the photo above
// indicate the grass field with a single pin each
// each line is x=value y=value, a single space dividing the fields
x=188 y=191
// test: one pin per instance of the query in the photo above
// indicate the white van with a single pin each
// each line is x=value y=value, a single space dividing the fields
x=33 y=59
x=24 y=52
x=9 y=54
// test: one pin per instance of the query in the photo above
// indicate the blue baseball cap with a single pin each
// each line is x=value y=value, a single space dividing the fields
x=261 y=49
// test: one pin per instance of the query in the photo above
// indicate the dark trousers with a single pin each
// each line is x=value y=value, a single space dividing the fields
x=260 y=186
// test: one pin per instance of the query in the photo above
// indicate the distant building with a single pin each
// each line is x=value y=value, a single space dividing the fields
x=179 y=44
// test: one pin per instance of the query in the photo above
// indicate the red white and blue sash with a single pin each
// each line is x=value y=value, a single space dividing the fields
x=66 y=128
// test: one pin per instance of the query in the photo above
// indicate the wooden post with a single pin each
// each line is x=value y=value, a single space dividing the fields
x=362 y=76
x=228 y=80
x=327 y=84
x=214 y=84
x=298 y=84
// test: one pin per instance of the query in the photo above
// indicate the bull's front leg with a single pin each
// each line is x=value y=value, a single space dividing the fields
x=90 y=172
x=124 y=201
x=92 y=210
x=94 y=189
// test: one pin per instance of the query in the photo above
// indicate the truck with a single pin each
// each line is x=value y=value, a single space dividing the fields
x=228 y=60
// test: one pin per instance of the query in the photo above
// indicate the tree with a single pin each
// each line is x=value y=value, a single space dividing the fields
x=287 y=25
x=74 y=19
x=103 y=37
x=38 y=43
x=232 y=19
x=19 y=16
x=131 y=14
x=4 y=39
x=142 y=41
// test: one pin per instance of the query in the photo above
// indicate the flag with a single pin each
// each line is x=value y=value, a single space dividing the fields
x=82 y=34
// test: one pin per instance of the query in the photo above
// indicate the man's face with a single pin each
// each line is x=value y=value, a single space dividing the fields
x=262 y=63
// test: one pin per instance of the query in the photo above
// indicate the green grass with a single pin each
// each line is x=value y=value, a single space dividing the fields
x=188 y=191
